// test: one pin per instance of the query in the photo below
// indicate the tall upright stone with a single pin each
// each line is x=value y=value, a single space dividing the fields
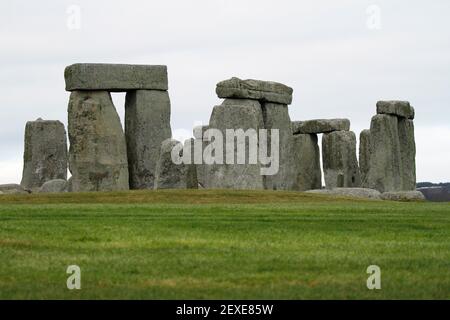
x=97 y=154
x=45 y=155
x=276 y=117
x=340 y=164
x=407 y=154
x=245 y=116
x=308 y=173
x=201 y=141
x=364 y=154
x=385 y=169
x=147 y=125
x=172 y=175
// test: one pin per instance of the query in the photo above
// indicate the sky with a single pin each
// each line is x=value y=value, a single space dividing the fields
x=340 y=57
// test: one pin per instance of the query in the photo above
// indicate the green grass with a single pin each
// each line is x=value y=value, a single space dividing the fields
x=221 y=245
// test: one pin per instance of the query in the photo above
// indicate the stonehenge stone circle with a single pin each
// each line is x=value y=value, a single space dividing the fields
x=98 y=152
x=255 y=89
x=396 y=108
x=340 y=165
x=45 y=155
x=54 y=186
x=147 y=125
x=235 y=114
x=174 y=176
x=364 y=154
x=320 y=126
x=276 y=116
x=306 y=162
x=115 y=77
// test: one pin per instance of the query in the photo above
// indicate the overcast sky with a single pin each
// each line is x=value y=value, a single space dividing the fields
x=340 y=57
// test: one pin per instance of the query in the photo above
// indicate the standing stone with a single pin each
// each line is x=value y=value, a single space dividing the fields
x=306 y=162
x=339 y=160
x=45 y=156
x=385 y=168
x=201 y=140
x=276 y=117
x=147 y=125
x=236 y=114
x=407 y=153
x=170 y=175
x=364 y=154
x=98 y=153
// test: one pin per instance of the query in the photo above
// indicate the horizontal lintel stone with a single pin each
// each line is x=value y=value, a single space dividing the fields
x=320 y=126
x=397 y=108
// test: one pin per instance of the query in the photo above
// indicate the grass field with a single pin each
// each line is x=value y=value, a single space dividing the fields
x=221 y=245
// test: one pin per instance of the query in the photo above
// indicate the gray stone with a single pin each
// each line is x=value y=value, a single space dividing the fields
x=201 y=139
x=170 y=175
x=407 y=153
x=276 y=117
x=255 y=89
x=307 y=162
x=45 y=155
x=320 y=126
x=1 y=192
x=362 y=193
x=12 y=188
x=397 y=108
x=98 y=153
x=147 y=125
x=403 y=196
x=385 y=170
x=54 y=186
x=235 y=114
x=340 y=164
x=364 y=154
x=115 y=77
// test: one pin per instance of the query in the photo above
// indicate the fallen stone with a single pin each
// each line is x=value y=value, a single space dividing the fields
x=397 y=108
x=320 y=126
x=235 y=114
x=174 y=176
x=407 y=153
x=385 y=170
x=54 y=186
x=115 y=77
x=276 y=117
x=362 y=193
x=147 y=125
x=364 y=154
x=255 y=89
x=45 y=155
x=340 y=164
x=12 y=188
x=98 y=152
x=403 y=196
x=308 y=173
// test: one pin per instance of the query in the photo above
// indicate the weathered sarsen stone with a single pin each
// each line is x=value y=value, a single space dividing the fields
x=407 y=153
x=403 y=196
x=364 y=154
x=320 y=126
x=349 y=192
x=98 y=153
x=339 y=159
x=385 y=169
x=246 y=116
x=276 y=117
x=396 y=108
x=308 y=173
x=255 y=89
x=115 y=77
x=54 y=186
x=147 y=125
x=45 y=156
x=12 y=188
x=201 y=141
x=171 y=175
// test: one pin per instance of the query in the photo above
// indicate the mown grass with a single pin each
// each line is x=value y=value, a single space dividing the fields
x=216 y=244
